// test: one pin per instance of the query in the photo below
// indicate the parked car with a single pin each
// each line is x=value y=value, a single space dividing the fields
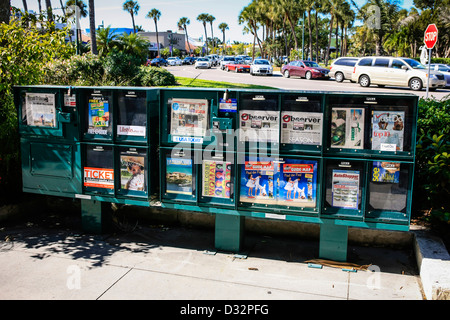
x=238 y=66
x=342 y=68
x=444 y=69
x=261 y=66
x=174 y=61
x=202 y=62
x=245 y=58
x=226 y=60
x=304 y=69
x=391 y=71
x=188 y=60
x=214 y=58
x=158 y=62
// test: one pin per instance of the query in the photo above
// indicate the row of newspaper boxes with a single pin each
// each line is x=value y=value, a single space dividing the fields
x=284 y=122
x=304 y=153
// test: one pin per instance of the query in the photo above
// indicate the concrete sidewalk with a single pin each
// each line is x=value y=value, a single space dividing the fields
x=51 y=260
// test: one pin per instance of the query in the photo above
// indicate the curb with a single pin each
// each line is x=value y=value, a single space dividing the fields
x=433 y=261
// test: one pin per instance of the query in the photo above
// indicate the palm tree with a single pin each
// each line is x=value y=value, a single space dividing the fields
x=71 y=13
x=106 y=40
x=48 y=5
x=223 y=26
x=25 y=6
x=183 y=22
x=155 y=14
x=249 y=15
x=210 y=20
x=132 y=7
x=203 y=18
x=92 y=26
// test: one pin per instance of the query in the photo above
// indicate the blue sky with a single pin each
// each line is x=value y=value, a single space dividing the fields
x=110 y=12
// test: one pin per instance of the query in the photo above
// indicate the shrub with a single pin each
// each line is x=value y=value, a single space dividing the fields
x=154 y=76
x=432 y=174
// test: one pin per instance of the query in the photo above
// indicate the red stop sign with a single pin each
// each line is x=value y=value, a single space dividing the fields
x=431 y=36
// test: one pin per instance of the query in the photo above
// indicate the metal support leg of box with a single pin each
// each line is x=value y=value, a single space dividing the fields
x=94 y=216
x=229 y=232
x=333 y=241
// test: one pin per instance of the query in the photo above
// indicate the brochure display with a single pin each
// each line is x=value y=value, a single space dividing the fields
x=345 y=190
x=133 y=171
x=216 y=179
x=180 y=176
x=259 y=126
x=98 y=114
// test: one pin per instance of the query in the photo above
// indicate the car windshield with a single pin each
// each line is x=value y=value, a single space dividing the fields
x=202 y=59
x=228 y=59
x=311 y=64
x=261 y=62
x=414 y=64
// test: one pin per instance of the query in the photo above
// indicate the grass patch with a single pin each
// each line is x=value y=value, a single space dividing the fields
x=198 y=83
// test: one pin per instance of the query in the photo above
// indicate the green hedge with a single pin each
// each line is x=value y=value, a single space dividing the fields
x=432 y=174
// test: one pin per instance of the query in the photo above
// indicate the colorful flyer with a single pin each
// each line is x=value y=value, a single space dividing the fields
x=259 y=126
x=387 y=130
x=388 y=172
x=179 y=176
x=259 y=181
x=347 y=128
x=40 y=109
x=132 y=172
x=216 y=179
x=98 y=116
x=301 y=128
x=298 y=183
x=345 y=189
x=99 y=178
x=189 y=117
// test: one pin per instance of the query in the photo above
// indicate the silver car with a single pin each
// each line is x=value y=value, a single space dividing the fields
x=396 y=72
x=342 y=68
x=444 y=69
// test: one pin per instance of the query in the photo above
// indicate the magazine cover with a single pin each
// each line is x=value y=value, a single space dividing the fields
x=98 y=116
x=386 y=172
x=179 y=176
x=301 y=128
x=189 y=117
x=99 y=178
x=259 y=126
x=347 y=128
x=259 y=181
x=216 y=179
x=298 y=183
x=132 y=172
x=387 y=130
x=345 y=189
x=40 y=109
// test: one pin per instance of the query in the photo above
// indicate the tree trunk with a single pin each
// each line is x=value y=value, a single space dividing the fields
x=310 y=36
x=327 y=54
x=48 y=5
x=62 y=8
x=317 y=38
x=206 y=39
x=92 y=27
x=25 y=6
x=157 y=38
x=132 y=19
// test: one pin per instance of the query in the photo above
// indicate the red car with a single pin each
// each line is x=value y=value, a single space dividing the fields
x=238 y=66
x=304 y=69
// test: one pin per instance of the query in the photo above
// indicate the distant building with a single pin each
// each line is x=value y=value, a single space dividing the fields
x=166 y=39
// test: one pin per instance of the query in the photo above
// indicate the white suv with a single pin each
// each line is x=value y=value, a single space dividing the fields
x=397 y=72
x=342 y=68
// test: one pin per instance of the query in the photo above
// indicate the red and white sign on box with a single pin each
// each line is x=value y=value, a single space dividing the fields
x=431 y=36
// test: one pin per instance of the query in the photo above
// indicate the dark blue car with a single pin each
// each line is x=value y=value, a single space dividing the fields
x=158 y=62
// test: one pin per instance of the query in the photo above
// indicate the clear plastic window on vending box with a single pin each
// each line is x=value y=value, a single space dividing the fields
x=179 y=176
x=388 y=186
x=132 y=114
x=301 y=120
x=217 y=184
x=133 y=171
x=99 y=114
x=39 y=110
x=259 y=118
x=98 y=171
x=344 y=184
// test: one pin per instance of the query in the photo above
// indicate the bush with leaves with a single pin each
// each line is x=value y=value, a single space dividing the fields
x=432 y=175
x=24 y=50
x=154 y=76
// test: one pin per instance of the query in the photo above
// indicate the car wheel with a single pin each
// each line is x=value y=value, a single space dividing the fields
x=339 y=77
x=227 y=69
x=415 y=84
x=364 y=81
x=286 y=74
x=308 y=75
